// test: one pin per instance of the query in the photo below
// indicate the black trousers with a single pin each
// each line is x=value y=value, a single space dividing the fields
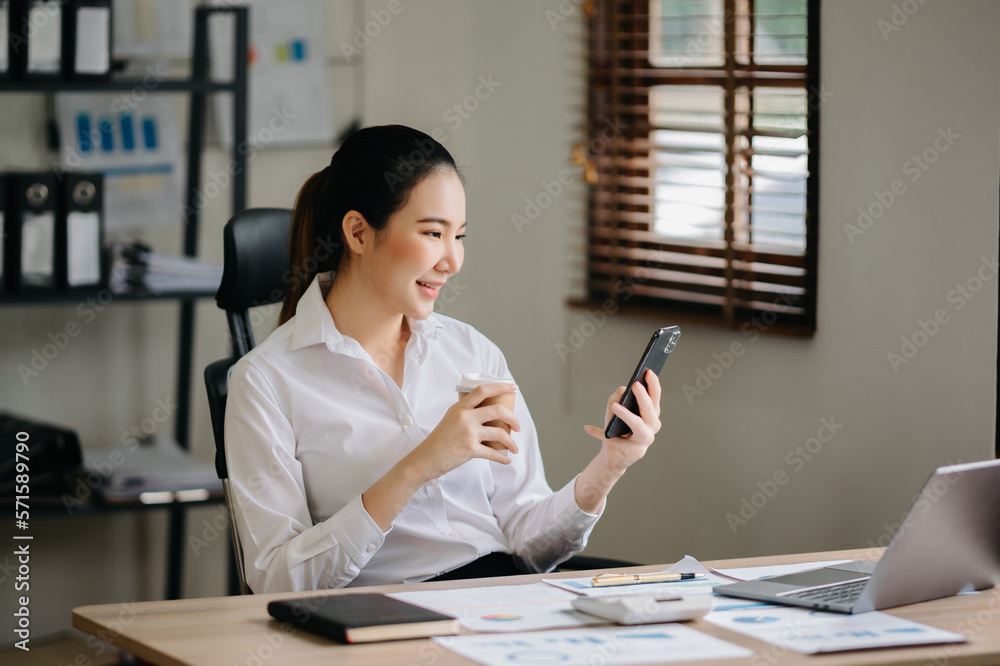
x=487 y=566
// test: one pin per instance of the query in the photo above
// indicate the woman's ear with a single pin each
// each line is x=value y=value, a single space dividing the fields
x=357 y=233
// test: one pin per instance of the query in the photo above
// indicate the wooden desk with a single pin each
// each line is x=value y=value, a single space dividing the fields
x=235 y=631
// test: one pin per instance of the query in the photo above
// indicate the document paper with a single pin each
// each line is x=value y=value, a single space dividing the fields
x=290 y=101
x=4 y=35
x=651 y=643
x=504 y=608
x=809 y=632
x=93 y=32
x=44 y=37
x=689 y=564
x=134 y=139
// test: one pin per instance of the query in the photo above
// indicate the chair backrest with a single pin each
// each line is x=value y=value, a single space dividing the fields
x=255 y=270
x=255 y=266
x=217 y=385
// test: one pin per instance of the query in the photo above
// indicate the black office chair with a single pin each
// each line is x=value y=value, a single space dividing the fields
x=255 y=255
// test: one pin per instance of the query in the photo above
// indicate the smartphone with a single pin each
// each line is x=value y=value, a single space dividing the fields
x=660 y=345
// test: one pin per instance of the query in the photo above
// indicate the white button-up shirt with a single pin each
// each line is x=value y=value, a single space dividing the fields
x=312 y=422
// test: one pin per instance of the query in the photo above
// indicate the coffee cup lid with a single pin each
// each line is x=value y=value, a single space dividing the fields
x=471 y=380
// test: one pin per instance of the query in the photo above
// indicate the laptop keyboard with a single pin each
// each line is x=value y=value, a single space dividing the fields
x=841 y=594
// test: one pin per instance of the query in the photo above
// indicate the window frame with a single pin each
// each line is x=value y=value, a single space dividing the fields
x=619 y=230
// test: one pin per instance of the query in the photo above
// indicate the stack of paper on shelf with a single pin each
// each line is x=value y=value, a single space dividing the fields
x=135 y=269
x=151 y=470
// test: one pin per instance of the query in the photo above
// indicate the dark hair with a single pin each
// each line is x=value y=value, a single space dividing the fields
x=373 y=172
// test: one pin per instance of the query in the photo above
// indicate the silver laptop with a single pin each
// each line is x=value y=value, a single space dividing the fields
x=949 y=542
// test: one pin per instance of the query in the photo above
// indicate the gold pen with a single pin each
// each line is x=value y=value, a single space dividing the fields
x=608 y=580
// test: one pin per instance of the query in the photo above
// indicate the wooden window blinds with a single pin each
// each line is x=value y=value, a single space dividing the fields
x=702 y=159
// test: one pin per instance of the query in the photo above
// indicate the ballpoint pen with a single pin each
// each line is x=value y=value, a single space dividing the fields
x=608 y=580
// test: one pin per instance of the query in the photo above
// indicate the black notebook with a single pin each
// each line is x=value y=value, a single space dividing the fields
x=362 y=618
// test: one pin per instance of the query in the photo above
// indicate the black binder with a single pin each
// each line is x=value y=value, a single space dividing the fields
x=5 y=30
x=80 y=232
x=31 y=224
x=3 y=232
x=362 y=618
x=86 y=40
x=17 y=38
x=36 y=39
x=54 y=453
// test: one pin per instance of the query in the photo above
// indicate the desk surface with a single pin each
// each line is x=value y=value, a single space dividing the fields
x=238 y=630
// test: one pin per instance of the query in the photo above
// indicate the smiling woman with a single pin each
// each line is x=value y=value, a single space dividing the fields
x=399 y=269
x=351 y=459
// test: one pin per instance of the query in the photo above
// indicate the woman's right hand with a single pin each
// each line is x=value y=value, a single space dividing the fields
x=459 y=437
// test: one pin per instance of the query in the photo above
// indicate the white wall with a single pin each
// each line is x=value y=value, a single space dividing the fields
x=887 y=99
x=941 y=69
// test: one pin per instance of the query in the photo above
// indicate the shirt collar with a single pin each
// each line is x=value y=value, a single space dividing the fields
x=313 y=324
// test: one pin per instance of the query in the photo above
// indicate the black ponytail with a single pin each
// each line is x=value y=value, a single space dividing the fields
x=373 y=172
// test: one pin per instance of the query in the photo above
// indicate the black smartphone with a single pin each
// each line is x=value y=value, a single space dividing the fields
x=660 y=345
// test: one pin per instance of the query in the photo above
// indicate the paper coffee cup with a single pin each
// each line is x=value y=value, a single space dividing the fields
x=471 y=380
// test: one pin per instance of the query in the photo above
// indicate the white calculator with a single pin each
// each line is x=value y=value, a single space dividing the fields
x=646 y=608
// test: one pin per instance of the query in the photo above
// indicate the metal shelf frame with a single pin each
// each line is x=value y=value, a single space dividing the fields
x=198 y=86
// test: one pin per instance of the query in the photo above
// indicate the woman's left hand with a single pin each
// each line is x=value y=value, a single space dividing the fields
x=621 y=452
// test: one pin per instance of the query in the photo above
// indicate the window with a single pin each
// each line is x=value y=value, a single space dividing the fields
x=702 y=159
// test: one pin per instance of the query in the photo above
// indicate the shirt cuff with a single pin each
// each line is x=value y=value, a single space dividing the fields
x=569 y=513
x=356 y=531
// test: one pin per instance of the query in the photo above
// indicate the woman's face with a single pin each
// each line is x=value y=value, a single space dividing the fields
x=422 y=246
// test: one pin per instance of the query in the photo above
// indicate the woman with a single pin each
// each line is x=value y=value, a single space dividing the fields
x=351 y=460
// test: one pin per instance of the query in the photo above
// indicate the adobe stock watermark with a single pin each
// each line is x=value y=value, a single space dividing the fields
x=554 y=539
x=361 y=39
x=7 y=569
x=99 y=471
x=220 y=179
x=900 y=14
x=594 y=319
x=271 y=642
x=915 y=167
x=535 y=205
x=958 y=298
x=462 y=110
x=448 y=295
x=796 y=458
x=455 y=115
x=423 y=149
x=59 y=340
x=752 y=330
x=706 y=40
x=771 y=655
x=102 y=640
x=705 y=377
x=553 y=189
x=382 y=358
x=374 y=371
x=324 y=250
x=259 y=480
x=928 y=498
x=816 y=98
x=566 y=9
x=972 y=625
x=602 y=646
x=257 y=483
x=211 y=530
x=38 y=17
x=122 y=105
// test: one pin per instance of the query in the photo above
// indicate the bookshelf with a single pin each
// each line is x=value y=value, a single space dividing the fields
x=197 y=86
